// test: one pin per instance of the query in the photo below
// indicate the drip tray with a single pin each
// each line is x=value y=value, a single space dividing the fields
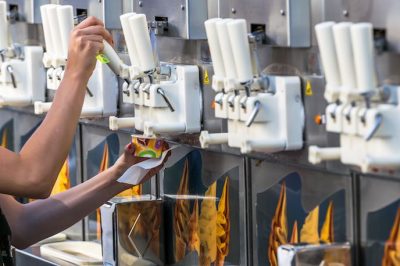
x=73 y=253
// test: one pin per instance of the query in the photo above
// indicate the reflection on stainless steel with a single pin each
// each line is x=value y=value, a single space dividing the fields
x=132 y=231
x=306 y=255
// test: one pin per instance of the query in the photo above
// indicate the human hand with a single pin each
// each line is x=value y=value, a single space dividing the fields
x=128 y=159
x=86 y=42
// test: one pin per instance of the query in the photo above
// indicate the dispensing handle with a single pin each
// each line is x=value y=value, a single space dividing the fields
x=218 y=99
x=11 y=72
x=374 y=128
x=89 y=92
x=253 y=115
x=162 y=93
x=111 y=58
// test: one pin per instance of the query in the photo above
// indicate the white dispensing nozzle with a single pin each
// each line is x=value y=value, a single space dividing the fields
x=66 y=23
x=328 y=53
x=141 y=37
x=241 y=49
x=226 y=48
x=129 y=40
x=3 y=26
x=344 y=49
x=363 y=49
x=215 y=49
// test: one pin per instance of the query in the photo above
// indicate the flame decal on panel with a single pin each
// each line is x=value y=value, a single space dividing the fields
x=327 y=232
x=194 y=239
x=182 y=216
x=63 y=182
x=391 y=256
x=208 y=227
x=103 y=166
x=294 y=239
x=223 y=225
x=279 y=230
x=4 y=142
x=309 y=231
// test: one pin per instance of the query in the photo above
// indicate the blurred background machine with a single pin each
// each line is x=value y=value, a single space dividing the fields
x=286 y=111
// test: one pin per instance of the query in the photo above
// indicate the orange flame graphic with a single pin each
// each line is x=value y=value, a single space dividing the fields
x=223 y=225
x=327 y=232
x=4 y=143
x=309 y=232
x=104 y=164
x=295 y=234
x=391 y=256
x=208 y=227
x=63 y=182
x=182 y=216
x=194 y=239
x=279 y=230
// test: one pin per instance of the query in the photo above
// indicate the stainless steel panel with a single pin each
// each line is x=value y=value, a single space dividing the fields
x=31 y=257
x=7 y=127
x=16 y=10
x=133 y=231
x=185 y=17
x=106 y=10
x=379 y=220
x=283 y=195
x=183 y=187
x=32 y=10
x=287 y=22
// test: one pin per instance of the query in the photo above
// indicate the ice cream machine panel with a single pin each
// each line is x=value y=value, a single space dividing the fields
x=264 y=113
x=22 y=77
x=176 y=18
x=361 y=112
x=102 y=88
x=292 y=206
x=379 y=220
x=167 y=97
x=204 y=209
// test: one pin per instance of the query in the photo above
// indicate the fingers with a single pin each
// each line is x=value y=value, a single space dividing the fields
x=130 y=151
x=96 y=46
x=97 y=30
x=93 y=38
x=90 y=21
x=130 y=148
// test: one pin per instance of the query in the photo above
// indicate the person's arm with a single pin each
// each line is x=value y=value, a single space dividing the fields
x=38 y=220
x=33 y=172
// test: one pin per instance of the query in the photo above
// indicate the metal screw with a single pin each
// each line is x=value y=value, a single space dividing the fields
x=345 y=13
x=140 y=3
x=233 y=11
x=182 y=7
x=282 y=12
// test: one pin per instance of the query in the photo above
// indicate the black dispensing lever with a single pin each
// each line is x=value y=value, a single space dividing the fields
x=10 y=70
x=167 y=101
x=253 y=115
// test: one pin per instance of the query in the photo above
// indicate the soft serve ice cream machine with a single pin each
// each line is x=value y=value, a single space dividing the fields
x=22 y=77
x=272 y=103
x=364 y=114
x=264 y=113
x=102 y=89
x=167 y=97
